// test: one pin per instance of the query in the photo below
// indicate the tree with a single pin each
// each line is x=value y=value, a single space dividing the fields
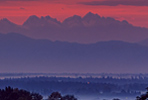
x=36 y=96
x=55 y=96
x=69 y=97
x=143 y=96
x=15 y=94
x=116 y=99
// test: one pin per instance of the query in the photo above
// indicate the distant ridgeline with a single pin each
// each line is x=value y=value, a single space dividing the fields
x=74 y=75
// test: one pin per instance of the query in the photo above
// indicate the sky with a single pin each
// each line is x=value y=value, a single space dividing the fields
x=134 y=11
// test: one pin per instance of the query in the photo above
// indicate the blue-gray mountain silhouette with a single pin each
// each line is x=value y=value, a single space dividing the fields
x=19 y=53
x=88 y=29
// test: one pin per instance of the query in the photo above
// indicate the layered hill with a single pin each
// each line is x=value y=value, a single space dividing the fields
x=19 y=53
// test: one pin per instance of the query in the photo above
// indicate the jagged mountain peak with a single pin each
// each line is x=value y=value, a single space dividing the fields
x=76 y=16
x=91 y=19
x=91 y=15
x=34 y=21
x=73 y=18
x=33 y=17
x=6 y=21
x=73 y=21
x=50 y=19
x=126 y=22
x=47 y=17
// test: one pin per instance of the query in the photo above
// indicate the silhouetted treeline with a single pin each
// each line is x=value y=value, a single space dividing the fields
x=10 y=93
x=15 y=94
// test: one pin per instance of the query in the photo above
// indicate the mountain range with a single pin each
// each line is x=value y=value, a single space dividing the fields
x=88 y=29
x=19 y=53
